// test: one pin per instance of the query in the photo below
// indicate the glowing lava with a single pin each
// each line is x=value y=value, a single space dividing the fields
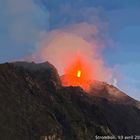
x=78 y=73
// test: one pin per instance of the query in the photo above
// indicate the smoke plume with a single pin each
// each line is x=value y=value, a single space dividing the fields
x=62 y=46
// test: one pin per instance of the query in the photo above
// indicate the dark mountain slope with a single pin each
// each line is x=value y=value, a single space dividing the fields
x=33 y=104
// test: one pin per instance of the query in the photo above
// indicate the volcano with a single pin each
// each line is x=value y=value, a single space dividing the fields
x=35 y=105
x=78 y=73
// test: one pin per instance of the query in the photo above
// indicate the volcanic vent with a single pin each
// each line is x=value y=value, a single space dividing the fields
x=78 y=73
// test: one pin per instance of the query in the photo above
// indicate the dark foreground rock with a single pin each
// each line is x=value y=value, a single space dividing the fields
x=34 y=106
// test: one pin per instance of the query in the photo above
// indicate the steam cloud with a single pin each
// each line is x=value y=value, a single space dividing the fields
x=61 y=46
x=21 y=22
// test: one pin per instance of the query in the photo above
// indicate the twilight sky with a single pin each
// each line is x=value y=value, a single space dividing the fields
x=22 y=24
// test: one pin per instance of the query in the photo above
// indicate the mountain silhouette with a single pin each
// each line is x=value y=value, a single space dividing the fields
x=35 y=106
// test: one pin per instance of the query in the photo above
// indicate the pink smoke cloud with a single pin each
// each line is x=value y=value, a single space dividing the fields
x=61 y=46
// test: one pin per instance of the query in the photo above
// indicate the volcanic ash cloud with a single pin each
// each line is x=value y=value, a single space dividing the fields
x=62 y=47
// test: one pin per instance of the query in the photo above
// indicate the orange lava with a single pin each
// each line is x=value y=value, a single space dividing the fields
x=78 y=73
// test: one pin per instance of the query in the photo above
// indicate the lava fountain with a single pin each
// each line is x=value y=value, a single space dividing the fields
x=78 y=73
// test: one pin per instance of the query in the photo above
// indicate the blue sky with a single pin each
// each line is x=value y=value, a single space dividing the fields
x=22 y=22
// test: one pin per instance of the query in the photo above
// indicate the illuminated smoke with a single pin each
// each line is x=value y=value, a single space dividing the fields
x=61 y=47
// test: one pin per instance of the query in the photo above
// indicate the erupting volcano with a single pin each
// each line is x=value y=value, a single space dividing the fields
x=78 y=73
